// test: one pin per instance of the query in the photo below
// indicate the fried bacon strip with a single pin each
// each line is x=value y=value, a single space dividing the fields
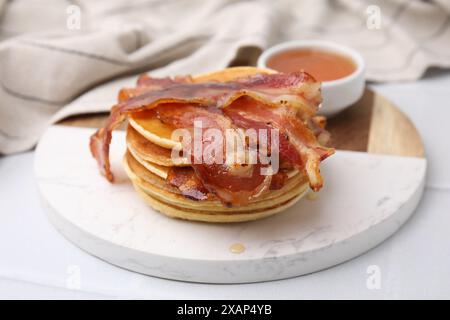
x=282 y=101
x=297 y=142
x=146 y=84
x=187 y=182
x=232 y=184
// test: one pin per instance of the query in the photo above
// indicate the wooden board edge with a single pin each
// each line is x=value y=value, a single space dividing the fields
x=392 y=132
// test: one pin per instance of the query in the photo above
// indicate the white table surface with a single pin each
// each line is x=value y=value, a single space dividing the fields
x=37 y=262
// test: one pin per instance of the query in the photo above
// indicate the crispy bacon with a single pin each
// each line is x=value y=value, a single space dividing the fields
x=146 y=84
x=233 y=184
x=278 y=180
x=297 y=142
x=184 y=178
x=233 y=189
x=100 y=141
x=184 y=115
x=282 y=101
x=317 y=126
x=298 y=90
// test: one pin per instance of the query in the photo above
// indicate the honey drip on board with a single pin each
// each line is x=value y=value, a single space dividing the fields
x=237 y=248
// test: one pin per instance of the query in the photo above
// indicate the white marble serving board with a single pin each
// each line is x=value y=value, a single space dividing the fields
x=366 y=198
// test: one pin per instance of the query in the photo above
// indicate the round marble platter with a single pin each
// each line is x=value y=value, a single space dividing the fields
x=372 y=187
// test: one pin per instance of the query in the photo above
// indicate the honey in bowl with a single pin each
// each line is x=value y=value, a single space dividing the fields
x=322 y=65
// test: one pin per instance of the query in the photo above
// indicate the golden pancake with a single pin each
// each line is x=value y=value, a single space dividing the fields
x=160 y=171
x=153 y=130
x=164 y=192
x=154 y=158
x=149 y=151
x=148 y=162
x=146 y=149
x=134 y=169
x=195 y=215
x=215 y=206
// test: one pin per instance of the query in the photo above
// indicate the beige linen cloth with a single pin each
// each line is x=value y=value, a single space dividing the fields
x=53 y=52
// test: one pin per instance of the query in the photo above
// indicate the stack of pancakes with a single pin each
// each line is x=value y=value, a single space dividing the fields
x=148 y=160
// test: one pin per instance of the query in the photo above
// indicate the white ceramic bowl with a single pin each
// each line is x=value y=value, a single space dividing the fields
x=337 y=94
